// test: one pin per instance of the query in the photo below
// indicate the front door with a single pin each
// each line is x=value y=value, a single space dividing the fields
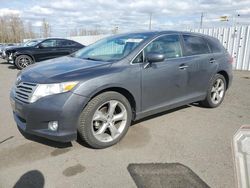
x=46 y=50
x=164 y=83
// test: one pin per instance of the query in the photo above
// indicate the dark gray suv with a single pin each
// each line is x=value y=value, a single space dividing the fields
x=100 y=89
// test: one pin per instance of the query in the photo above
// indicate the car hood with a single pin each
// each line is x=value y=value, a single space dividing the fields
x=62 y=69
x=14 y=48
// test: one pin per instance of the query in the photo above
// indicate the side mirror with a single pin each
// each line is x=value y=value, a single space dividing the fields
x=39 y=46
x=154 y=57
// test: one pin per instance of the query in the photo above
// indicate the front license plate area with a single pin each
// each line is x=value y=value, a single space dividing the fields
x=18 y=108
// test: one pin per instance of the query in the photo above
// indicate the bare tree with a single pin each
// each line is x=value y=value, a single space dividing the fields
x=30 y=33
x=84 y=31
x=73 y=32
x=16 y=28
x=13 y=29
x=45 y=29
x=3 y=30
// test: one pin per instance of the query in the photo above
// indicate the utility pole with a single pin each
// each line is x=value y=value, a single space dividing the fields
x=201 y=22
x=150 y=21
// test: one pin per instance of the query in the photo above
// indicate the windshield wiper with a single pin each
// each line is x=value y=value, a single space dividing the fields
x=93 y=59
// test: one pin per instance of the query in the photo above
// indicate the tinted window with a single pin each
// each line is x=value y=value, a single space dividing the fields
x=32 y=43
x=215 y=45
x=169 y=45
x=195 y=45
x=72 y=43
x=66 y=43
x=139 y=58
x=48 y=43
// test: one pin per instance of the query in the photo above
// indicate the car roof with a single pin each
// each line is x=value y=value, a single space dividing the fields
x=55 y=38
x=43 y=39
x=158 y=33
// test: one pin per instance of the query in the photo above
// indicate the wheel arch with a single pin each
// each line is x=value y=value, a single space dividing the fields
x=127 y=94
x=27 y=54
x=225 y=75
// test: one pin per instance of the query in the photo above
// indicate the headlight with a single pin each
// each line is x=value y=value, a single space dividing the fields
x=43 y=90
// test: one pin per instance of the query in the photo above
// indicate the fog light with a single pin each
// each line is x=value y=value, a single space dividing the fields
x=53 y=125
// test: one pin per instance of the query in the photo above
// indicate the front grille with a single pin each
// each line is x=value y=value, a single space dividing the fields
x=24 y=91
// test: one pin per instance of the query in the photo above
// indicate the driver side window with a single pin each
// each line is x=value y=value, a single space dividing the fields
x=168 y=45
x=48 y=44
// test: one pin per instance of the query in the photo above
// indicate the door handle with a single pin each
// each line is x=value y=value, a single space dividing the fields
x=212 y=60
x=182 y=67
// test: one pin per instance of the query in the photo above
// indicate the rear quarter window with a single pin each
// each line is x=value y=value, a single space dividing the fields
x=195 y=45
x=67 y=43
x=215 y=45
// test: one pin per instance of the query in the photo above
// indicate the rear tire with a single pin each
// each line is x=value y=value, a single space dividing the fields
x=216 y=92
x=105 y=120
x=23 y=61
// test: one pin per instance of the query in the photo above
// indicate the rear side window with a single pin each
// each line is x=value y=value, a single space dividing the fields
x=195 y=45
x=66 y=43
x=215 y=45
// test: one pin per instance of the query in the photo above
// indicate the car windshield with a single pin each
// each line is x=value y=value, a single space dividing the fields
x=112 y=48
x=32 y=43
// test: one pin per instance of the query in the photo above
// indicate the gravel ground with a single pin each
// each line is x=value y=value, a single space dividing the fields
x=195 y=137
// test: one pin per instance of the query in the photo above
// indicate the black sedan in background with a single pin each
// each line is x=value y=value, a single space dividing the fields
x=3 y=46
x=40 y=50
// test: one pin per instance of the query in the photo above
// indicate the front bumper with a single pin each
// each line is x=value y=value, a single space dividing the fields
x=33 y=118
x=3 y=55
x=10 y=59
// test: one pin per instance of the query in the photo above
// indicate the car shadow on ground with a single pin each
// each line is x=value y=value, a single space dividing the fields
x=79 y=141
x=45 y=141
x=160 y=114
x=10 y=65
x=82 y=143
x=4 y=63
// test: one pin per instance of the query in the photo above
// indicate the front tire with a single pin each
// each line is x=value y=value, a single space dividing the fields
x=23 y=61
x=105 y=120
x=216 y=92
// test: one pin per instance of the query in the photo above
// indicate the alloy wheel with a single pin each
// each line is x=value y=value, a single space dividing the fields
x=109 y=121
x=217 y=91
x=24 y=62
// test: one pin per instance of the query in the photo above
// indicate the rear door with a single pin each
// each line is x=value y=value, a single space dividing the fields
x=200 y=65
x=66 y=47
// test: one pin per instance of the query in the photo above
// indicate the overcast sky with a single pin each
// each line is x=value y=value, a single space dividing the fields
x=127 y=15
